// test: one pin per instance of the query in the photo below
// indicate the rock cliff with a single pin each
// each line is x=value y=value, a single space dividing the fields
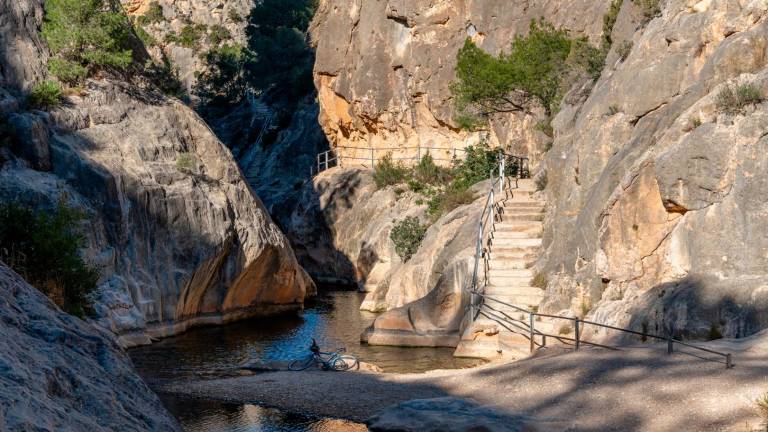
x=383 y=68
x=179 y=237
x=657 y=197
x=658 y=206
x=59 y=373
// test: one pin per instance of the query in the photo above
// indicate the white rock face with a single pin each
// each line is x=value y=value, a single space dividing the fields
x=179 y=237
x=58 y=373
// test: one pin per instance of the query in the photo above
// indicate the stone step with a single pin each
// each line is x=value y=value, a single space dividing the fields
x=505 y=290
x=516 y=242
x=510 y=263
x=512 y=235
x=512 y=203
x=523 y=209
x=518 y=225
x=514 y=255
x=514 y=284
x=508 y=217
x=521 y=301
x=519 y=273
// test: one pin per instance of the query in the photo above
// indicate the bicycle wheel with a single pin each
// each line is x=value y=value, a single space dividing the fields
x=345 y=362
x=301 y=364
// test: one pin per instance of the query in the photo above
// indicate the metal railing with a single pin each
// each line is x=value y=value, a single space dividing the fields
x=528 y=329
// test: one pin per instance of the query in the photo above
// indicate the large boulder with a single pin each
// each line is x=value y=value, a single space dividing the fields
x=58 y=373
x=177 y=234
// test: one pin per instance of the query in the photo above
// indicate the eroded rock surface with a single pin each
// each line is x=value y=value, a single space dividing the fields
x=179 y=237
x=59 y=373
x=658 y=207
x=383 y=68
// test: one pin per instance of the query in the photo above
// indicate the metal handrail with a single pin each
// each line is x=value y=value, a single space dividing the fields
x=577 y=334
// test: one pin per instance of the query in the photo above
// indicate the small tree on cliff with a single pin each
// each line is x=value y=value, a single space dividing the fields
x=537 y=69
x=85 y=36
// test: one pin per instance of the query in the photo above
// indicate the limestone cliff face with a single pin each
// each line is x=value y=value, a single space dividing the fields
x=658 y=206
x=59 y=373
x=178 y=235
x=383 y=68
x=187 y=61
x=657 y=199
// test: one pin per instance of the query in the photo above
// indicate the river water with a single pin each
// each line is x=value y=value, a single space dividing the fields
x=334 y=319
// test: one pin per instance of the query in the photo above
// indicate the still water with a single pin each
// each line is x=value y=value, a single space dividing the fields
x=334 y=319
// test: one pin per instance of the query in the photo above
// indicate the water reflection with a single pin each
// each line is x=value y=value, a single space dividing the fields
x=334 y=319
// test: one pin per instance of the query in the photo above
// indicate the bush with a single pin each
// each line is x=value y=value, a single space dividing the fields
x=428 y=172
x=539 y=281
x=451 y=198
x=234 y=16
x=218 y=34
x=624 y=49
x=189 y=36
x=761 y=403
x=85 y=36
x=145 y=37
x=407 y=236
x=540 y=67
x=184 y=162
x=609 y=21
x=223 y=82
x=154 y=14
x=45 y=95
x=541 y=181
x=43 y=247
x=388 y=173
x=732 y=100
x=650 y=8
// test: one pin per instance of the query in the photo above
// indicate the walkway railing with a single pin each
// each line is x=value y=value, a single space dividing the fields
x=518 y=166
x=528 y=329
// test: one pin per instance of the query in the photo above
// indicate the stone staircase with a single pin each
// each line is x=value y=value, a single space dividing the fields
x=513 y=249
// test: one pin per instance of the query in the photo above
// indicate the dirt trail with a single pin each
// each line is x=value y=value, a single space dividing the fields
x=637 y=388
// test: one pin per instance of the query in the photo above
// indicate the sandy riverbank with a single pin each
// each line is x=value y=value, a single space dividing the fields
x=637 y=388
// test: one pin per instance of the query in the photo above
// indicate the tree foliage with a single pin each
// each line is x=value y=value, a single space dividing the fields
x=85 y=36
x=45 y=95
x=539 y=67
x=407 y=236
x=43 y=247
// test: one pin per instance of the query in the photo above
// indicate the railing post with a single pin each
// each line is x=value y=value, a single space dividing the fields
x=372 y=160
x=530 y=319
x=326 y=160
x=669 y=345
x=728 y=361
x=418 y=153
x=576 y=331
x=318 y=164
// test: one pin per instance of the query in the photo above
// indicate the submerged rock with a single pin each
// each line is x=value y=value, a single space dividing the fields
x=58 y=373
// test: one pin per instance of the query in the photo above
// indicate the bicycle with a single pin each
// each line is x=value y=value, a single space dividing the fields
x=334 y=361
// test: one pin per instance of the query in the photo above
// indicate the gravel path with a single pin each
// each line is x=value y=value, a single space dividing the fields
x=638 y=388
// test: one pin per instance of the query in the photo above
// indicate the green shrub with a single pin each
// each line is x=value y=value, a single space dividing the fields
x=43 y=247
x=85 y=36
x=539 y=281
x=45 y=95
x=428 y=172
x=184 y=162
x=223 y=82
x=613 y=110
x=189 y=36
x=714 y=332
x=451 y=198
x=234 y=16
x=541 y=181
x=733 y=100
x=67 y=71
x=540 y=66
x=609 y=21
x=546 y=128
x=478 y=163
x=388 y=173
x=624 y=49
x=218 y=34
x=564 y=329
x=407 y=236
x=761 y=403
x=154 y=14
x=650 y=8
x=145 y=37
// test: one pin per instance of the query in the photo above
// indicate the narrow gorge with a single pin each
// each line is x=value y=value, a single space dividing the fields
x=476 y=199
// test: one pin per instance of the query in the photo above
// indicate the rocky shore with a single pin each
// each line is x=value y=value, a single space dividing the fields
x=636 y=388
